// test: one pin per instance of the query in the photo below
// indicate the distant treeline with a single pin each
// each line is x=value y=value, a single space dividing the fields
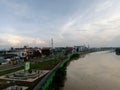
x=117 y=50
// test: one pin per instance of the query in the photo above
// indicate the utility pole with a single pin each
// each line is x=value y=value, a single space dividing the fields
x=52 y=42
x=52 y=47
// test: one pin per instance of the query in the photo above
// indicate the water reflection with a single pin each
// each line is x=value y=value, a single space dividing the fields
x=96 y=71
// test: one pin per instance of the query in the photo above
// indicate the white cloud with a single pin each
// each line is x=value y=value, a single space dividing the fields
x=103 y=6
x=15 y=40
x=101 y=26
x=98 y=25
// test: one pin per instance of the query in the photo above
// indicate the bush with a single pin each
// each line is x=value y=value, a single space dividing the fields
x=117 y=50
x=75 y=56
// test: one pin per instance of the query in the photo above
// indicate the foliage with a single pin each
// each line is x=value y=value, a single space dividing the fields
x=117 y=50
x=46 y=52
x=37 y=54
x=75 y=56
x=58 y=80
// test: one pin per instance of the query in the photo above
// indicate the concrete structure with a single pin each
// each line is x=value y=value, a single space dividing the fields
x=22 y=76
x=21 y=53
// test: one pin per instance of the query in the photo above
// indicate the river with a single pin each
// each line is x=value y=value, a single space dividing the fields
x=95 y=71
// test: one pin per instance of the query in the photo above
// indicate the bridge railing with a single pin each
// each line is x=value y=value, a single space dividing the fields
x=45 y=82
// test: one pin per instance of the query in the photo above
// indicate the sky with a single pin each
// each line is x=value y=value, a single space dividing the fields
x=69 y=22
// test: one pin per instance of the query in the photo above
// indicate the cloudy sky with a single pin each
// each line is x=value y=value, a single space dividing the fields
x=68 y=22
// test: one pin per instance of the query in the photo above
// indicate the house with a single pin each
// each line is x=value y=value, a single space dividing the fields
x=20 y=53
x=3 y=61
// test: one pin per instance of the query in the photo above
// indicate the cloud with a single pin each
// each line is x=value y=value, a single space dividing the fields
x=95 y=23
x=99 y=27
x=103 y=6
x=15 y=40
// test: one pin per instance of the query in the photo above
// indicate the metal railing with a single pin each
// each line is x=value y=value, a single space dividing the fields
x=45 y=82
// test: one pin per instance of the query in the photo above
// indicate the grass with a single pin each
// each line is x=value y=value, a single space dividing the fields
x=10 y=71
x=75 y=56
x=46 y=65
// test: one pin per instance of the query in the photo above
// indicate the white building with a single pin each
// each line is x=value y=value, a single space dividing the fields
x=21 y=53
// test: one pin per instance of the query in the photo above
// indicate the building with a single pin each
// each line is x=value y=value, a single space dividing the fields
x=80 y=48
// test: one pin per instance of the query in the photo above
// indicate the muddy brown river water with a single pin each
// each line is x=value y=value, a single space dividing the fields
x=95 y=71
